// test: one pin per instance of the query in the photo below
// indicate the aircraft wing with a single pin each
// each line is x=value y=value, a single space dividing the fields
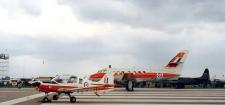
x=95 y=88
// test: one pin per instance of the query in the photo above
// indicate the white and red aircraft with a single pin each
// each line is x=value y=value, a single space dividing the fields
x=65 y=86
x=129 y=76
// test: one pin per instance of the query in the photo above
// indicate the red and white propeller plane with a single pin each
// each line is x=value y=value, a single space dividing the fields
x=66 y=86
x=128 y=77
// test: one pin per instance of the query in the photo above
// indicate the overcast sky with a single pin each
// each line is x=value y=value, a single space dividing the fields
x=49 y=37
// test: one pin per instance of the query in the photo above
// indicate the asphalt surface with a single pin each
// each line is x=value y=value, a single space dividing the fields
x=142 y=97
x=14 y=93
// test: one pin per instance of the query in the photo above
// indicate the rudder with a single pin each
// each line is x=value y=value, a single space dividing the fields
x=175 y=65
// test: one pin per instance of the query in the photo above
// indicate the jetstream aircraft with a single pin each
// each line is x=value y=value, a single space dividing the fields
x=128 y=77
x=67 y=86
x=204 y=80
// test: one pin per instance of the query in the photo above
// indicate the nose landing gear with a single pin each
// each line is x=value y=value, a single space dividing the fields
x=56 y=97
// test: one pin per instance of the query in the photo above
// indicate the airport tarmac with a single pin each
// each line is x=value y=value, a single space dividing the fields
x=7 y=94
x=144 y=96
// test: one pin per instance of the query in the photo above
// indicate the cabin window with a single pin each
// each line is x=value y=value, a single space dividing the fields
x=58 y=80
x=72 y=79
x=80 y=81
x=54 y=82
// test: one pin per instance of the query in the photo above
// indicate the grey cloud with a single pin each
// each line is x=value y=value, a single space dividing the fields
x=52 y=48
x=181 y=21
x=144 y=51
x=23 y=6
x=58 y=50
x=157 y=53
x=150 y=13
x=31 y=7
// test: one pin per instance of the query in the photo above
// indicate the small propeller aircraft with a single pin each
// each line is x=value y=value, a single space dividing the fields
x=60 y=86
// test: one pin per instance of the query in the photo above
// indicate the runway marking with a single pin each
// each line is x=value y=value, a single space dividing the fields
x=165 y=92
x=143 y=99
x=148 y=101
x=11 y=91
x=146 y=97
x=139 y=101
x=171 y=95
x=154 y=93
x=18 y=100
x=169 y=89
x=123 y=104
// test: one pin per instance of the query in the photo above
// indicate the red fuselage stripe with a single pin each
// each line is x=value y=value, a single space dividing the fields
x=137 y=75
x=53 y=88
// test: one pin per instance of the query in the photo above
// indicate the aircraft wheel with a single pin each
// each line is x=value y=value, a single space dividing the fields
x=45 y=99
x=55 y=97
x=130 y=85
x=73 y=99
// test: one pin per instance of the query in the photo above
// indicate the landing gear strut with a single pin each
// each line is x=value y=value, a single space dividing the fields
x=46 y=99
x=72 y=98
x=55 y=97
x=129 y=79
x=130 y=85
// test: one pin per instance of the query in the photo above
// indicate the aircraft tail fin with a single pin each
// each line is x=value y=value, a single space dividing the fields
x=205 y=75
x=108 y=78
x=175 y=65
x=107 y=81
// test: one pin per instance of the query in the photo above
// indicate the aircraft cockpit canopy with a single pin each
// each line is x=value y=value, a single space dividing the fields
x=102 y=71
x=67 y=79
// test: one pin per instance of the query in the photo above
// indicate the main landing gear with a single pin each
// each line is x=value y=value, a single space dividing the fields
x=48 y=98
x=130 y=85
x=55 y=97
x=72 y=98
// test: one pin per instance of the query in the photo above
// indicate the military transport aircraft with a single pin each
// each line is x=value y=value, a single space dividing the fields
x=128 y=77
x=203 y=81
x=66 y=85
